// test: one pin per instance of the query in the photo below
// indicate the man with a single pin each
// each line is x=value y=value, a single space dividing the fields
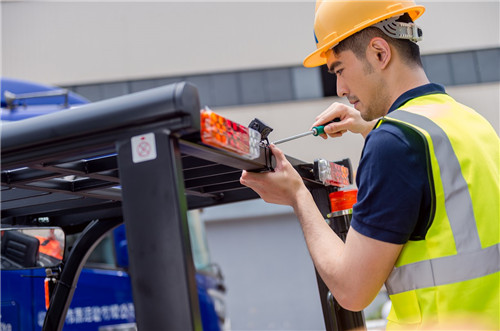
x=50 y=245
x=427 y=218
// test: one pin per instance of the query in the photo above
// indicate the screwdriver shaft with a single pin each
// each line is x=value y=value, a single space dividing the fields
x=316 y=131
x=293 y=137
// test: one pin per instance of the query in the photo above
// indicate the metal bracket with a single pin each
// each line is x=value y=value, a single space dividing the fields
x=10 y=97
x=262 y=128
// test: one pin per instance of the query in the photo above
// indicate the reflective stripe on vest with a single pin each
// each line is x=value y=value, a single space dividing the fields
x=444 y=270
x=458 y=203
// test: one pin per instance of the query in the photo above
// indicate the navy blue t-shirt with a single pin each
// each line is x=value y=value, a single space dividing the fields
x=394 y=196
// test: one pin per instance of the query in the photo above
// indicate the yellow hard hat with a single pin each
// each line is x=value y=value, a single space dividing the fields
x=335 y=20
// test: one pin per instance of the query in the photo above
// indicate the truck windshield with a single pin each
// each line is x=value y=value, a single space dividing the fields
x=198 y=238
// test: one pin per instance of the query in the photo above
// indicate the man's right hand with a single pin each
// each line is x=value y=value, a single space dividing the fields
x=350 y=120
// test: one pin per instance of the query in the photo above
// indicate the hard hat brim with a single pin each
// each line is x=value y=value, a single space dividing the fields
x=318 y=57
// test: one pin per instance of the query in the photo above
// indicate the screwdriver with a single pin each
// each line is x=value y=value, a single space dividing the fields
x=315 y=131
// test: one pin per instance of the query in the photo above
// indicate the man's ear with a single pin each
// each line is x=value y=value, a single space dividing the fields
x=380 y=52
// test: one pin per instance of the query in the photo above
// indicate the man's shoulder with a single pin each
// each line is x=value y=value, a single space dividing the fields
x=391 y=136
x=392 y=185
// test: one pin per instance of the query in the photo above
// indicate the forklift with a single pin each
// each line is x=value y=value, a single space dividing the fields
x=144 y=160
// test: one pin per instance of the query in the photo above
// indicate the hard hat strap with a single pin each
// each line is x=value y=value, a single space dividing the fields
x=400 y=30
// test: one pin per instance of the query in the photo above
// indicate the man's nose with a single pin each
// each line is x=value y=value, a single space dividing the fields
x=341 y=88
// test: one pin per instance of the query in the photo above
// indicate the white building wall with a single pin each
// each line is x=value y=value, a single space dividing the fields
x=268 y=270
x=76 y=42
x=70 y=42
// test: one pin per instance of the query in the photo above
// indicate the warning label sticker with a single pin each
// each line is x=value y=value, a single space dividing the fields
x=143 y=148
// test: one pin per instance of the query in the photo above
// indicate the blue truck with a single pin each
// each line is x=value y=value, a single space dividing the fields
x=103 y=296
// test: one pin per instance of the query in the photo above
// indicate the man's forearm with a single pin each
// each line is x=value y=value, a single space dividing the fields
x=325 y=247
x=354 y=271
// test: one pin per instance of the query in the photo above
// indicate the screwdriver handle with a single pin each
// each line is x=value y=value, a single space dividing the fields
x=320 y=129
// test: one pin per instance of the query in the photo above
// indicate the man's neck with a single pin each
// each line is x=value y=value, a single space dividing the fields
x=405 y=79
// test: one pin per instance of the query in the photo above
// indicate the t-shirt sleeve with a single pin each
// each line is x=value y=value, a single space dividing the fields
x=391 y=178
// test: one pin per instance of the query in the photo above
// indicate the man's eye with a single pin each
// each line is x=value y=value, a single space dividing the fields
x=338 y=72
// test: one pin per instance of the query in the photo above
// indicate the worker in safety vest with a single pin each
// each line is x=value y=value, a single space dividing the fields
x=426 y=221
x=50 y=245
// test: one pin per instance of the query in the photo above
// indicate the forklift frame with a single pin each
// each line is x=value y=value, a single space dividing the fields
x=76 y=169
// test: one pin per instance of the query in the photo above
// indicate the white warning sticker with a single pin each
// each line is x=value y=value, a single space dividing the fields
x=143 y=148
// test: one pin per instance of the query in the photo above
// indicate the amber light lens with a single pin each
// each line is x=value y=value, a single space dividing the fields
x=225 y=134
x=47 y=295
x=343 y=200
x=331 y=173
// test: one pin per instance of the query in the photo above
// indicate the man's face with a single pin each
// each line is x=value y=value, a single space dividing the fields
x=360 y=83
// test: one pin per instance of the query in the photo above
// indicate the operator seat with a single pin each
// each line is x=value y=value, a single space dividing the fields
x=20 y=249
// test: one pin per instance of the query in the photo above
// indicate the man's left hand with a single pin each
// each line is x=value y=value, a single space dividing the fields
x=283 y=186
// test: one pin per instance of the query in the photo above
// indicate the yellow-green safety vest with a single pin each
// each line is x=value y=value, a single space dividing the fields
x=452 y=276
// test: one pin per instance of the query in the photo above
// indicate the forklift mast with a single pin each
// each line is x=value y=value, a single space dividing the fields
x=139 y=160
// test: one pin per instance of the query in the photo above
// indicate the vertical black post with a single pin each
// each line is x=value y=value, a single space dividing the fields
x=336 y=318
x=154 y=208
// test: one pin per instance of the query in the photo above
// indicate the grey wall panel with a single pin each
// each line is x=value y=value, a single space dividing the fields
x=297 y=83
x=489 y=64
x=91 y=92
x=464 y=68
x=438 y=68
x=146 y=84
x=253 y=87
x=226 y=89
x=307 y=83
x=279 y=84
x=141 y=85
x=204 y=85
x=111 y=90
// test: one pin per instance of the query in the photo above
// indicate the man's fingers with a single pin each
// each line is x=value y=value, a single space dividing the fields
x=336 y=110
x=337 y=134
x=250 y=180
x=327 y=113
x=247 y=177
x=278 y=154
x=337 y=129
